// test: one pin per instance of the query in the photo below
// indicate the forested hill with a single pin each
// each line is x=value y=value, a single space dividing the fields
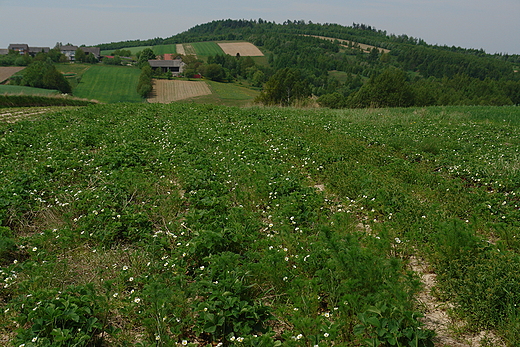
x=342 y=74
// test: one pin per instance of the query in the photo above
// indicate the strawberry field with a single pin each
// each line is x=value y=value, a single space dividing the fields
x=170 y=225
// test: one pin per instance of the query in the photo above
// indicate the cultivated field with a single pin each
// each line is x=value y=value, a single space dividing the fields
x=205 y=49
x=345 y=43
x=109 y=84
x=166 y=91
x=201 y=225
x=180 y=49
x=246 y=49
x=8 y=71
x=165 y=49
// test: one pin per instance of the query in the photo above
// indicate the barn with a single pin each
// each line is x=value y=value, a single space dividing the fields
x=174 y=66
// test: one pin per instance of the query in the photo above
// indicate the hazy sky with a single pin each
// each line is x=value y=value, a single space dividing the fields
x=493 y=25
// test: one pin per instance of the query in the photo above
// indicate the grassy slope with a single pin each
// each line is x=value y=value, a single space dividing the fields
x=162 y=49
x=109 y=84
x=228 y=94
x=205 y=49
x=7 y=89
x=177 y=214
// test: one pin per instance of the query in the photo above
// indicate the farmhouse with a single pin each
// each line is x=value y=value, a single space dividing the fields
x=70 y=51
x=174 y=66
x=19 y=47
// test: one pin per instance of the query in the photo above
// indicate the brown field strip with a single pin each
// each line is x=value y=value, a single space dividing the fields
x=8 y=71
x=180 y=49
x=166 y=91
x=246 y=49
x=189 y=50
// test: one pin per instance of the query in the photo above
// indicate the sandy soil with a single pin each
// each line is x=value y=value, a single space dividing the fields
x=180 y=49
x=245 y=49
x=8 y=71
x=436 y=314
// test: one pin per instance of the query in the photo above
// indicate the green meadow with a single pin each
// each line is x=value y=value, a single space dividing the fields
x=228 y=94
x=204 y=225
x=163 y=49
x=109 y=84
x=205 y=49
x=11 y=89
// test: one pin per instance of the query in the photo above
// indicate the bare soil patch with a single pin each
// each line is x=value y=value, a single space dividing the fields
x=166 y=91
x=180 y=49
x=8 y=71
x=436 y=315
x=246 y=49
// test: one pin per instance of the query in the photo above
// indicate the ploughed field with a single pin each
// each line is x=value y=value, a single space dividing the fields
x=202 y=225
x=8 y=71
x=166 y=91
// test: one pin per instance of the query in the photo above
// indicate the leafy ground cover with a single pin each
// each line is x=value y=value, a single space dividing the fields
x=109 y=84
x=183 y=224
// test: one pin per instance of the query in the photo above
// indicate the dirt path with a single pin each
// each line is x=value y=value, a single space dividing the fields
x=436 y=317
x=180 y=49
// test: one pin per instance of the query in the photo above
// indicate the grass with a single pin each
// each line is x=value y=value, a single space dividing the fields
x=228 y=94
x=205 y=49
x=109 y=84
x=162 y=49
x=341 y=76
x=8 y=89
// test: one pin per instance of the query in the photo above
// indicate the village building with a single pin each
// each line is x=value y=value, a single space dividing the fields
x=70 y=51
x=174 y=66
x=19 y=47
x=35 y=50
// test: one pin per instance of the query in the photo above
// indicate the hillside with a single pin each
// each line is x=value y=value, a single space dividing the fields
x=416 y=73
x=183 y=224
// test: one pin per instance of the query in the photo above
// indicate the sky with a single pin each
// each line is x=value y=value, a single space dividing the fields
x=493 y=25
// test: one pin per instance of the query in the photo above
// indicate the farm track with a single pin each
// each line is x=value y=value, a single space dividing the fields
x=166 y=91
x=180 y=49
x=436 y=315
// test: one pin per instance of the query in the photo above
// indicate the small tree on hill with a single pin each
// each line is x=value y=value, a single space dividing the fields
x=144 y=56
x=284 y=88
x=388 y=89
x=44 y=75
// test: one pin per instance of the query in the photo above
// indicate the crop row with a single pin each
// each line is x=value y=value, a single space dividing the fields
x=183 y=224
